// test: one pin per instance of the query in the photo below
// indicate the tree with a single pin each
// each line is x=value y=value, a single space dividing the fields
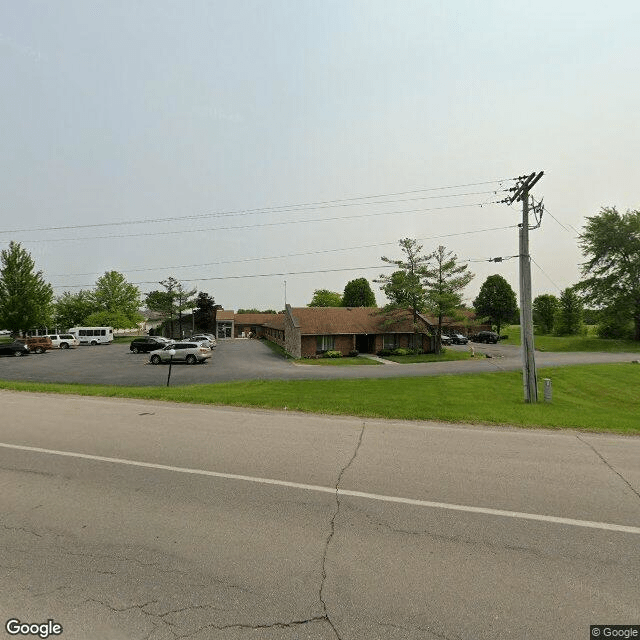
x=118 y=300
x=568 y=319
x=497 y=301
x=205 y=306
x=161 y=302
x=404 y=287
x=25 y=298
x=72 y=309
x=545 y=308
x=611 y=244
x=325 y=298
x=184 y=300
x=357 y=293
x=444 y=283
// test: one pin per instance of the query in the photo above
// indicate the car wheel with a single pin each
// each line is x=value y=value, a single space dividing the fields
x=17 y=354
x=135 y=349
x=93 y=343
x=155 y=360
x=39 y=350
x=64 y=345
x=191 y=359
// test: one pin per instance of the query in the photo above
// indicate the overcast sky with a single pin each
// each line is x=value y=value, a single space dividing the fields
x=217 y=115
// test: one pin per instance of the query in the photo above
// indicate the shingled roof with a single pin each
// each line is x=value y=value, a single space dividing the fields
x=352 y=320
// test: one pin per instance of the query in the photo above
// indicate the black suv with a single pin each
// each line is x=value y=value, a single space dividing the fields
x=488 y=337
x=146 y=344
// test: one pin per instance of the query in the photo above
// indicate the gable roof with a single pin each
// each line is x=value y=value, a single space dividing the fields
x=352 y=320
x=224 y=315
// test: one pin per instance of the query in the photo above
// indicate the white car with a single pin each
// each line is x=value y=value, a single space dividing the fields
x=189 y=352
x=63 y=340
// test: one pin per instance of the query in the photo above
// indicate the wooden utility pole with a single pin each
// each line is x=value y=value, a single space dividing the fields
x=529 y=379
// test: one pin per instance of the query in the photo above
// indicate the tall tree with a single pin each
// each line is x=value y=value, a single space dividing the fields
x=496 y=301
x=357 y=293
x=205 y=305
x=25 y=298
x=404 y=287
x=325 y=298
x=611 y=243
x=185 y=299
x=164 y=302
x=545 y=308
x=569 y=316
x=444 y=282
x=118 y=300
x=73 y=309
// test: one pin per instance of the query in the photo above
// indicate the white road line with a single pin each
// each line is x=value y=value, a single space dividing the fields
x=332 y=490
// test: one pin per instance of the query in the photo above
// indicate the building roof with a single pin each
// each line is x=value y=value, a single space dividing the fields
x=352 y=320
x=256 y=318
x=224 y=315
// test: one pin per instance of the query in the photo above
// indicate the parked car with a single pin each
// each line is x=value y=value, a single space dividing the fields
x=189 y=352
x=445 y=339
x=37 y=344
x=488 y=337
x=14 y=349
x=63 y=340
x=458 y=338
x=147 y=344
x=205 y=337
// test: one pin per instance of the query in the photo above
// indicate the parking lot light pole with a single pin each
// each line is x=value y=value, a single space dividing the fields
x=172 y=352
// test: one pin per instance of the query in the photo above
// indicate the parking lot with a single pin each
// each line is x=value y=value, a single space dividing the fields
x=242 y=359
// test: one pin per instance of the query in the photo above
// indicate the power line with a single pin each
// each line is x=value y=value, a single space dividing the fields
x=258 y=225
x=282 y=208
x=547 y=275
x=289 y=255
x=250 y=275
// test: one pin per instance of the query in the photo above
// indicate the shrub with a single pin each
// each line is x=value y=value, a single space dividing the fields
x=385 y=352
x=333 y=354
x=402 y=352
x=354 y=353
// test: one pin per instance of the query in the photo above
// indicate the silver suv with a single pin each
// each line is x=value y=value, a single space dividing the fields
x=189 y=352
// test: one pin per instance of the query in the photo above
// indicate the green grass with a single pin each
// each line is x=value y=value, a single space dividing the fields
x=573 y=343
x=337 y=362
x=445 y=356
x=591 y=397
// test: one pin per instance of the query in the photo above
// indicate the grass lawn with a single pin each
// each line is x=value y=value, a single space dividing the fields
x=572 y=343
x=446 y=355
x=337 y=362
x=602 y=397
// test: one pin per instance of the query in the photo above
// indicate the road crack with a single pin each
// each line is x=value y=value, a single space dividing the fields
x=631 y=487
x=332 y=530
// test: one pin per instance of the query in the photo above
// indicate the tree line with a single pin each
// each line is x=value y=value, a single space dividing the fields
x=433 y=283
x=27 y=301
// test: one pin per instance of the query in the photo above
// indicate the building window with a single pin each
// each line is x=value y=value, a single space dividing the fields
x=324 y=343
x=390 y=341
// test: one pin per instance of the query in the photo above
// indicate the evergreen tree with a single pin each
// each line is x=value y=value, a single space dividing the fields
x=568 y=319
x=25 y=298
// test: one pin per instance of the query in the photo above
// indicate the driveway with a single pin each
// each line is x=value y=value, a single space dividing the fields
x=252 y=360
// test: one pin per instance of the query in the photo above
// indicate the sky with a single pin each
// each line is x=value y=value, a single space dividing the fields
x=260 y=150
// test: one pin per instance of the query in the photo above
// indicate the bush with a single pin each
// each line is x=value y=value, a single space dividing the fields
x=332 y=354
x=402 y=352
x=354 y=354
x=385 y=352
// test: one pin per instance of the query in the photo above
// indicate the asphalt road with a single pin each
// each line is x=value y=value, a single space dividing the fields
x=125 y=520
x=250 y=360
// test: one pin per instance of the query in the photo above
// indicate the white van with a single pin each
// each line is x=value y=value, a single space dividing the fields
x=93 y=335
x=63 y=340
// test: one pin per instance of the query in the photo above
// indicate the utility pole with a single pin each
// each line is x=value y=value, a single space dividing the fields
x=529 y=379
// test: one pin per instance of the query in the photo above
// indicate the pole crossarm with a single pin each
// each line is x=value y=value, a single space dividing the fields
x=525 y=186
